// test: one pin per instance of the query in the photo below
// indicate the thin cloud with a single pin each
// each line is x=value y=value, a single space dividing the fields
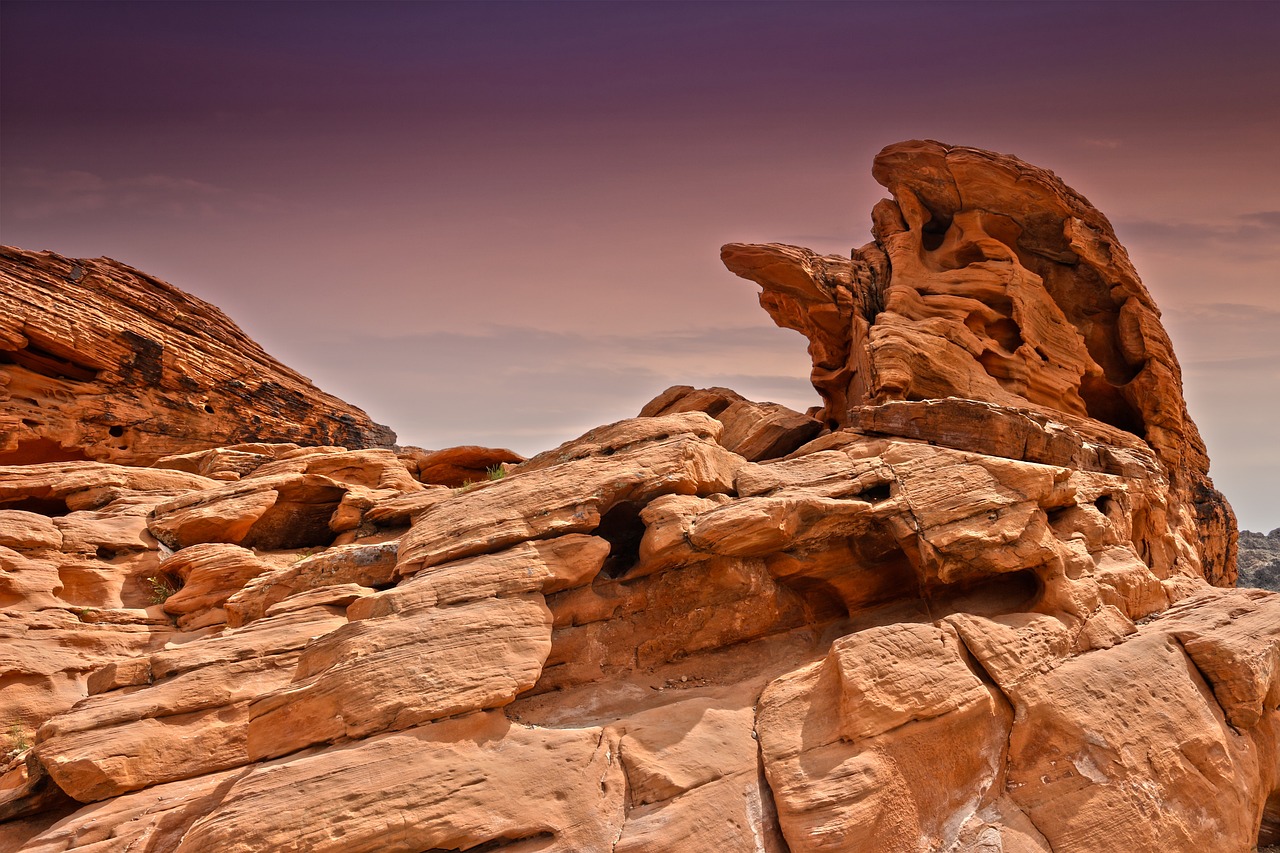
x=1242 y=230
x=36 y=194
x=534 y=388
x=1265 y=218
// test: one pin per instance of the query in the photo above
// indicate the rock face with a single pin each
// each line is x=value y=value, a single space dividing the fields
x=1260 y=559
x=940 y=617
x=100 y=361
x=989 y=279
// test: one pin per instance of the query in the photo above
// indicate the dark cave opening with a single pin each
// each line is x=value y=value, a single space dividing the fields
x=623 y=529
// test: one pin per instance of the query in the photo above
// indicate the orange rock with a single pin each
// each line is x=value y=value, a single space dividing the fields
x=100 y=361
x=992 y=280
x=458 y=466
x=755 y=431
x=968 y=609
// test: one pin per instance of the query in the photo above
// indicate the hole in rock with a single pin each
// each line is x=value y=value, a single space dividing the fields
x=105 y=553
x=1104 y=504
x=208 y=408
x=116 y=431
x=1105 y=402
x=41 y=450
x=52 y=507
x=1006 y=333
x=155 y=587
x=874 y=494
x=847 y=575
x=934 y=232
x=622 y=528
x=1055 y=515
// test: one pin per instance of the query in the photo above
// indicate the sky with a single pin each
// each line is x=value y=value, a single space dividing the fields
x=499 y=223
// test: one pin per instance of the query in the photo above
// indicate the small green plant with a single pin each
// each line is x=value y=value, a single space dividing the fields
x=497 y=472
x=159 y=589
x=18 y=740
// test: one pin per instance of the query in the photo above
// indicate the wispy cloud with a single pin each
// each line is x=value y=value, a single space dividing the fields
x=1230 y=354
x=1254 y=233
x=34 y=194
x=536 y=388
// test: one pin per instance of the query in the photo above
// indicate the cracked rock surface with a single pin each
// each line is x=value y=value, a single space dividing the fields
x=981 y=600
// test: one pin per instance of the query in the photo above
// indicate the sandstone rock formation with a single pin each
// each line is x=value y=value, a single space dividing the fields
x=951 y=614
x=989 y=279
x=100 y=361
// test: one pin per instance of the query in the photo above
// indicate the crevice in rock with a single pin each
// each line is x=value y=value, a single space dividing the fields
x=769 y=806
x=1106 y=402
x=51 y=507
x=1205 y=683
x=494 y=844
x=1269 y=828
x=48 y=364
x=623 y=529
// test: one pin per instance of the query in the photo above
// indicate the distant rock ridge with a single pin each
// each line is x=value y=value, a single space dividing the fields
x=101 y=361
x=978 y=601
x=1260 y=559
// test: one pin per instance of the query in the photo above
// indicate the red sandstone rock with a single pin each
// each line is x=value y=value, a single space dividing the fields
x=754 y=431
x=975 y=617
x=992 y=280
x=100 y=361
x=458 y=466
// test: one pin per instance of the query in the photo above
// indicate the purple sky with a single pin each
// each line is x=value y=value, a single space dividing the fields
x=499 y=223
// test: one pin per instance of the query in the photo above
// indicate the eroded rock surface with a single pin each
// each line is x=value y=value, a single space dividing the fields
x=100 y=361
x=975 y=606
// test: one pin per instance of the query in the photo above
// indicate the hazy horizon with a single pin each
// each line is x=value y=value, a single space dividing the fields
x=499 y=223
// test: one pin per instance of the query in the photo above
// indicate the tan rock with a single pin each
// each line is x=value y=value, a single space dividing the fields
x=47 y=656
x=365 y=565
x=575 y=497
x=755 y=431
x=154 y=818
x=456 y=784
x=28 y=531
x=209 y=574
x=57 y=487
x=283 y=511
x=1128 y=740
x=991 y=280
x=458 y=466
x=856 y=748
x=458 y=637
x=973 y=618
x=190 y=720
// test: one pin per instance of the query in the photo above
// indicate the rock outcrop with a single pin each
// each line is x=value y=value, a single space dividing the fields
x=948 y=614
x=100 y=361
x=989 y=279
x=1260 y=559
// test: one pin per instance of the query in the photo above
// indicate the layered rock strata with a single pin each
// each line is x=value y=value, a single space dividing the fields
x=101 y=361
x=951 y=623
x=989 y=279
